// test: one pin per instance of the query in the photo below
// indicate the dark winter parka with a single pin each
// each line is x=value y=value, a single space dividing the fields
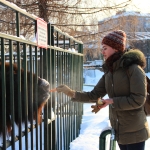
x=125 y=83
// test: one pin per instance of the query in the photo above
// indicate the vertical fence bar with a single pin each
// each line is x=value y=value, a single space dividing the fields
x=18 y=23
x=60 y=102
x=57 y=39
x=36 y=98
x=31 y=94
x=68 y=102
x=57 y=101
x=72 y=86
x=19 y=96
x=78 y=83
x=25 y=102
x=46 y=107
x=3 y=93
x=77 y=88
x=50 y=110
x=74 y=78
x=64 y=100
x=81 y=88
x=41 y=62
x=12 y=94
x=80 y=48
x=53 y=74
x=41 y=75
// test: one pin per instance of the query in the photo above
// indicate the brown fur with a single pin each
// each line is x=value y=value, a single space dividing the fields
x=33 y=104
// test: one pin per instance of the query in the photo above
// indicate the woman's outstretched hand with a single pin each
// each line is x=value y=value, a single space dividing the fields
x=66 y=90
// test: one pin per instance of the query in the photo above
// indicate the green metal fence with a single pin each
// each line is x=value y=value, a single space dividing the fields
x=61 y=118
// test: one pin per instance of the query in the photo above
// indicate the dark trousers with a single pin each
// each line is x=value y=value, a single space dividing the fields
x=135 y=146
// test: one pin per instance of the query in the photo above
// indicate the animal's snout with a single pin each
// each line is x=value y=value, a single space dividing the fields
x=43 y=83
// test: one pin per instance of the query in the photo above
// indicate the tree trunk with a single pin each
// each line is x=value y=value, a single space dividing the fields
x=43 y=10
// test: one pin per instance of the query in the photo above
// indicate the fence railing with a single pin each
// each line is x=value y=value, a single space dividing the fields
x=21 y=92
x=103 y=140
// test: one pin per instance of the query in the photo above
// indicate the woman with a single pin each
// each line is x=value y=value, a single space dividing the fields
x=124 y=81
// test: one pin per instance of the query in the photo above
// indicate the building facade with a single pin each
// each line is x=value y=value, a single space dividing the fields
x=137 y=27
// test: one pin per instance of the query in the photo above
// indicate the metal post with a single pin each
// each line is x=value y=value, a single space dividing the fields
x=102 y=140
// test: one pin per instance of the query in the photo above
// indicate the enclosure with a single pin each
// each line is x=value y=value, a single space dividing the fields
x=57 y=64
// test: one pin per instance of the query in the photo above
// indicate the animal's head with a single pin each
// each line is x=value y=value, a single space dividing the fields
x=40 y=95
x=43 y=95
x=43 y=91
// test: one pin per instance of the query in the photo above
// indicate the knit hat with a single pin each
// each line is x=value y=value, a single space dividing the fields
x=116 y=40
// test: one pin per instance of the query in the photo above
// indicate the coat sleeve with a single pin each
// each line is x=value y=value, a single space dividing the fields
x=138 y=91
x=92 y=96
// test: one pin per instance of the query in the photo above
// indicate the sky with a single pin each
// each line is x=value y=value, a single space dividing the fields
x=135 y=5
x=93 y=124
x=143 y=5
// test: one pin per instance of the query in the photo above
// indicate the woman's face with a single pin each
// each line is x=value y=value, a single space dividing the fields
x=107 y=51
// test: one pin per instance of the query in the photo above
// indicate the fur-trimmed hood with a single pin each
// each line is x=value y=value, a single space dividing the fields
x=133 y=56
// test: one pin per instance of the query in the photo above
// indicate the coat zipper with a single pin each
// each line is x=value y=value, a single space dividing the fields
x=116 y=124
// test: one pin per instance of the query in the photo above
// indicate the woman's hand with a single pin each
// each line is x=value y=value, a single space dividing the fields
x=96 y=108
x=106 y=102
x=66 y=90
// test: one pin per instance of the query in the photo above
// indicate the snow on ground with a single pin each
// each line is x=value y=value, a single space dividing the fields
x=93 y=124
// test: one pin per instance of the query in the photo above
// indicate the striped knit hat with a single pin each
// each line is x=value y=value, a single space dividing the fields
x=116 y=40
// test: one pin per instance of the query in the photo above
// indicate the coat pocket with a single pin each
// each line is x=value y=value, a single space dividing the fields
x=131 y=121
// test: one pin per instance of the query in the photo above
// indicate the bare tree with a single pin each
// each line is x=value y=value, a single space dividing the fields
x=76 y=17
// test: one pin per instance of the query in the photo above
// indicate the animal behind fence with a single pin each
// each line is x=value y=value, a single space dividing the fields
x=37 y=94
